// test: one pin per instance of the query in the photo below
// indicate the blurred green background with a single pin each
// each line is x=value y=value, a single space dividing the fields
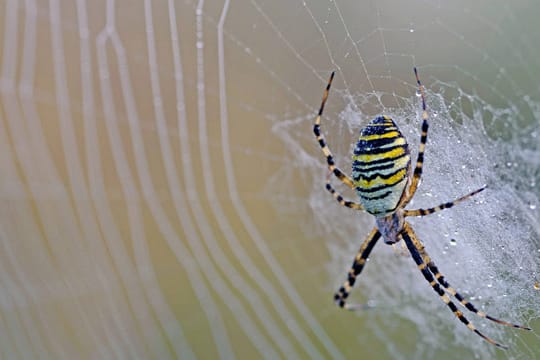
x=157 y=165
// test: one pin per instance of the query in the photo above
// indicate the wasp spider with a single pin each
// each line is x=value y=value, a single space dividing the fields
x=384 y=181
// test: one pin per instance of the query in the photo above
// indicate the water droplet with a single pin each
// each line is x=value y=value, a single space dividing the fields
x=411 y=30
x=453 y=242
x=537 y=285
x=532 y=206
x=489 y=285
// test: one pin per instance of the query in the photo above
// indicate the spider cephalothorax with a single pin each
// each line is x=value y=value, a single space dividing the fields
x=385 y=183
x=391 y=226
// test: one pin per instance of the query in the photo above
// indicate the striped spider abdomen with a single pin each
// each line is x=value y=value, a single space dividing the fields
x=381 y=166
x=385 y=183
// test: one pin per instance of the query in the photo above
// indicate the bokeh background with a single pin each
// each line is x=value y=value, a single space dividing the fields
x=162 y=195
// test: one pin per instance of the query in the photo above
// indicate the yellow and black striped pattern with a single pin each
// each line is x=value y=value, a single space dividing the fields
x=380 y=169
x=383 y=178
x=340 y=297
x=436 y=279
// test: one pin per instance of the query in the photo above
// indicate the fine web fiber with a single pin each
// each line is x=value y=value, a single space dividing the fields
x=489 y=247
x=162 y=193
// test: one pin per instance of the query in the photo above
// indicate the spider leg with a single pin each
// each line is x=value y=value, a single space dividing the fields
x=423 y=212
x=340 y=297
x=423 y=139
x=322 y=142
x=415 y=248
x=441 y=280
x=339 y=197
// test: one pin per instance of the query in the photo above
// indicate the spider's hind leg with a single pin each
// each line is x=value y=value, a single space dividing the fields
x=340 y=297
x=339 y=198
x=322 y=141
x=423 y=140
x=447 y=205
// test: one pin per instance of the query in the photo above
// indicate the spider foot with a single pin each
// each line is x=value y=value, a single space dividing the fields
x=502 y=322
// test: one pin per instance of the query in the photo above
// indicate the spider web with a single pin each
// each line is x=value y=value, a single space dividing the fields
x=163 y=194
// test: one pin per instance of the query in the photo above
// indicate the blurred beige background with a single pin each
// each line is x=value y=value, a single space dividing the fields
x=148 y=209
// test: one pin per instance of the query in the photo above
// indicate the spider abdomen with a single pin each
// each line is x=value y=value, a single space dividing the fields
x=380 y=168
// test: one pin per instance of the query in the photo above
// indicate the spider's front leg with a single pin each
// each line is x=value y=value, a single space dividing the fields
x=450 y=290
x=322 y=142
x=462 y=300
x=416 y=249
x=340 y=297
